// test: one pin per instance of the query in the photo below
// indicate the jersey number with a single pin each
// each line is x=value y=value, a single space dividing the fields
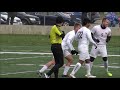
x=80 y=34
x=102 y=35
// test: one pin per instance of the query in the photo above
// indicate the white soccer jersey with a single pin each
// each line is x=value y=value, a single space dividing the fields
x=101 y=34
x=83 y=36
x=68 y=40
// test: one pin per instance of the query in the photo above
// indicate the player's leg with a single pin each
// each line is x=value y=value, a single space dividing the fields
x=87 y=62
x=93 y=55
x=88 y=69
x=59 y=60
x=76 y=68
x=58 y=64
x=82 y=57
x=105 y=63
x=45 y=67
x=91 y=61
x=105 y=59
x=103 y=52
x=87 y=66
x=69 y=59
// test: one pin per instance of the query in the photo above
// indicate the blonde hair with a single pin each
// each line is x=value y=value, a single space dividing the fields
x=77 y=24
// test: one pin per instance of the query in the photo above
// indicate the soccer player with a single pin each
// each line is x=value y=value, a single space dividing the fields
x=68 y=51
x=103 y=34
x=84 y=36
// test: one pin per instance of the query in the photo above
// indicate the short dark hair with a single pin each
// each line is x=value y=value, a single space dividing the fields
x=85 y=21
x=104 y=19
x=59 y=20
x=77 y=24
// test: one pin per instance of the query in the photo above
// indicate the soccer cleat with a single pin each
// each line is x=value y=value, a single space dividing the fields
x=90 y=76
x=72 y=76
x=109 y=74
x=65 y=76
x=39 y=74
x=46 y=76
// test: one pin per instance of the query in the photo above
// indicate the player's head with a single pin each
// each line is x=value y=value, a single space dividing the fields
x=77 y=26
x=59 y=21
x=86 y=22
x=105 y=23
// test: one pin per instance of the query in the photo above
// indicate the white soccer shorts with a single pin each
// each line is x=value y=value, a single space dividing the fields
x=84 y=52
x=66 y=52
x=100 y=50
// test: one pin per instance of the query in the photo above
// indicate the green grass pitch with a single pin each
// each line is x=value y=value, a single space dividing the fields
x=25 y=65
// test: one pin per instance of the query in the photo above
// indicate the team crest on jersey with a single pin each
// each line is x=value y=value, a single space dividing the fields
x=105 y=33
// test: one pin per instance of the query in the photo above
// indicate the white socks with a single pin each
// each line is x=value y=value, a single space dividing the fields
x=43 y=69
x=88 y=68
x=91 y=65
x=66 y=69
x=76 y=68
x=106 y=65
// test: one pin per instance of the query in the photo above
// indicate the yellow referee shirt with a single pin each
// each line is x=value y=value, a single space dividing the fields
x=55 y=35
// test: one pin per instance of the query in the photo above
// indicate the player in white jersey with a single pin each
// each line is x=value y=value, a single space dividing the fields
x=83 y=37
x=68 y=51
x=103 y=34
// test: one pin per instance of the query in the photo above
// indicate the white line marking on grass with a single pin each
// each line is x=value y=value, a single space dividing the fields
x=49 y=69
x=108 y=66
x=18 y=46
x=94 y=65
x=22 y=58
x=18 y=72
x=115 y=63
x=25 y=53
x=17 y=50
x=25 y=64
x=41 y=53
x=114 y=55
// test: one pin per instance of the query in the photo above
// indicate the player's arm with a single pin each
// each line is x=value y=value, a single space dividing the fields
x=59 y=33
x=90 y=38
x=108 y=37
x=73 y=51
x=96 y=40
x=63 y=34
x=70 y=44
x=93 y=30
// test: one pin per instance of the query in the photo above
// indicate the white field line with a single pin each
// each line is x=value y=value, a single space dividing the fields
x=25 y=53
x=93 y=66
x=18 y=46
x=49 y=69
x=25 y=64
x=18 y=72
x=40 y=53
x=22 y=58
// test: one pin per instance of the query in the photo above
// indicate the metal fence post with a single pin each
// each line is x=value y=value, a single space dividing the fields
x=44 y=20
x=0 y=17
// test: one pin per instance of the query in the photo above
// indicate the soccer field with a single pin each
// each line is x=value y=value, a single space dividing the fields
x=22 y=55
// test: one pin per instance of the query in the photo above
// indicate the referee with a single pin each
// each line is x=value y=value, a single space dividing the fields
x=56 y=36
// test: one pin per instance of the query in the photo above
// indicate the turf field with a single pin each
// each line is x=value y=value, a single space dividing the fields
x=22 y=55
